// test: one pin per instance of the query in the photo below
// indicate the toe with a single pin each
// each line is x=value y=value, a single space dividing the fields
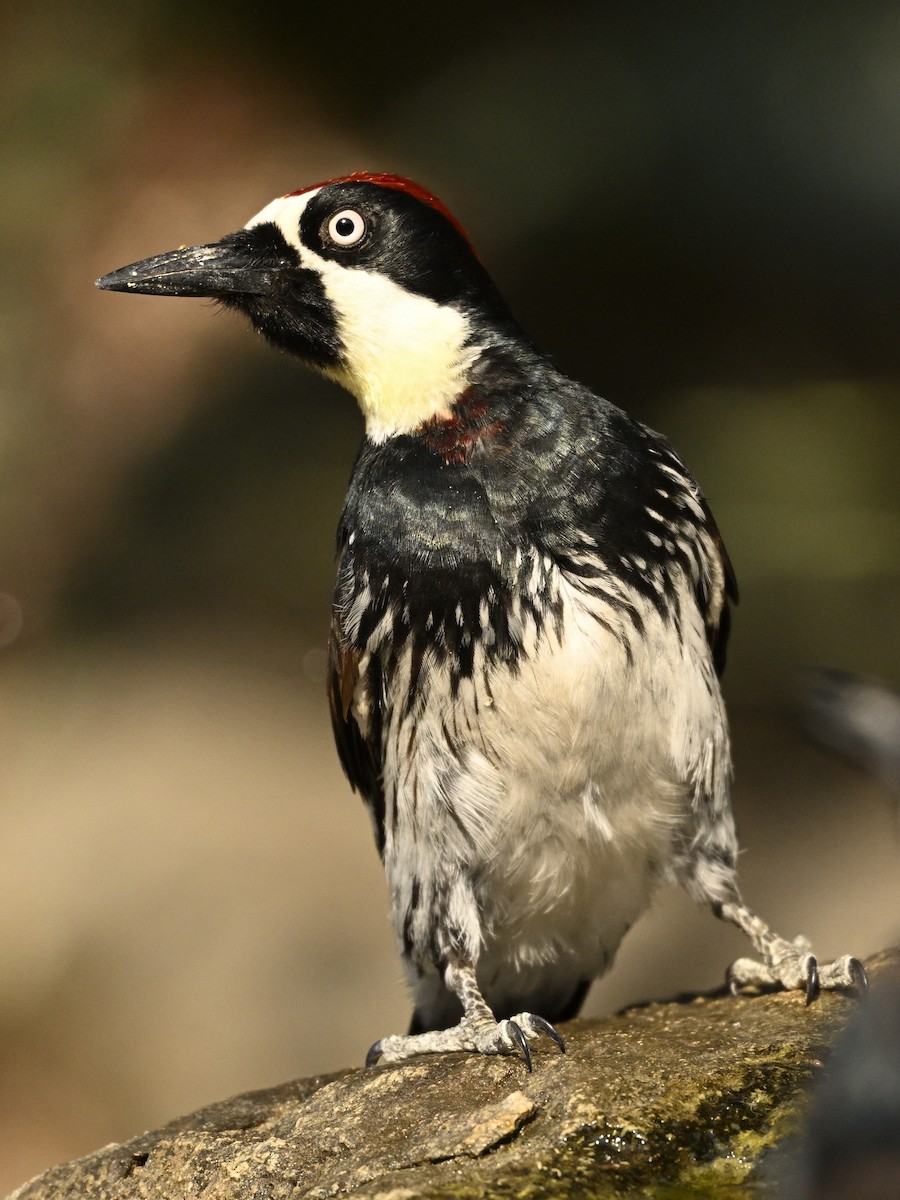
x=541 y=1026
x=513 y=1031
x=860 y=978
x=846 y=974
x=749 y=973
x=811 y=970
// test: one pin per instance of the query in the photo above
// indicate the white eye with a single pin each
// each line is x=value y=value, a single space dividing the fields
x=347 y=227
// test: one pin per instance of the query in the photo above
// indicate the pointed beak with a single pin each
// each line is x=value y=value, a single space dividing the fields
x=254 y=271
x=233 y=266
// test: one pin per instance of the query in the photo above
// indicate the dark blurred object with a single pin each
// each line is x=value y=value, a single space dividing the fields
x=857 y=716
x=850 y=1149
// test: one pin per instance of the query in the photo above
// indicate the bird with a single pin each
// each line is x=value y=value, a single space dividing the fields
x=529 y=622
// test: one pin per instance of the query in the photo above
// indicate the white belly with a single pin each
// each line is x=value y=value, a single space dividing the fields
x=547 y=799
x=584 y=822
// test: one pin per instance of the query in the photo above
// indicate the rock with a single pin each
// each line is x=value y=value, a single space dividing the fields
x=694 y=1092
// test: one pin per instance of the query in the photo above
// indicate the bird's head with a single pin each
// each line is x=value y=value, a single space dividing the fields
x=368 y=278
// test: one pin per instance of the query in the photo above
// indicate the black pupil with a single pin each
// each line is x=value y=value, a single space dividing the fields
x=344 y=227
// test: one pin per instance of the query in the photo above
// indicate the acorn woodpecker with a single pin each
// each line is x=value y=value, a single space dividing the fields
x=529 y=621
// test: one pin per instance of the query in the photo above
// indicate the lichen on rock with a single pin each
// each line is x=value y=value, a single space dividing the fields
x=674 y=1099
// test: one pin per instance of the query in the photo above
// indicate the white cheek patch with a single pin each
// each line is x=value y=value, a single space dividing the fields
x=405 y=357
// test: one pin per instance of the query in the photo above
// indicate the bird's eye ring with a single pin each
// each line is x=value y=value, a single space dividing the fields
x=346 y=227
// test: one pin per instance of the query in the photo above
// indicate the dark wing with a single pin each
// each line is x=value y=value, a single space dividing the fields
x=643 y=515
x=360 y=753
x=718 y=624
x=676 y=494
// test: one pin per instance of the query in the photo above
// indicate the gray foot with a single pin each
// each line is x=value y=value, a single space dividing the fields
x=792 y=965
x=785 y=964
x=480 y=1034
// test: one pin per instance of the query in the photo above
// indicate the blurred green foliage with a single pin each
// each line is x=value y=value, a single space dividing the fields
x=692 y=208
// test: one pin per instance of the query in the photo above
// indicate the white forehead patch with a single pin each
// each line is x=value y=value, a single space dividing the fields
x=285 y=212
x=405 y=357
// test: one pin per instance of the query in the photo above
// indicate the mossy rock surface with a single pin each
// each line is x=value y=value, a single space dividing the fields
x=675 y=1099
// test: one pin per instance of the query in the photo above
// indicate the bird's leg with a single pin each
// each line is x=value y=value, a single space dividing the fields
x=786 y=964
x=478 y=1030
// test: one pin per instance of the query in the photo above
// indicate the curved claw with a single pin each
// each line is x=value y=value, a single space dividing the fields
x=519 y=1038
x=812 y=980
x=374 y=1054
x=545 y=1027
x=860 y=978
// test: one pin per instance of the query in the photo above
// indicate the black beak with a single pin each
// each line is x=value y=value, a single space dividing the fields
x=237 y=265
x=254 y=271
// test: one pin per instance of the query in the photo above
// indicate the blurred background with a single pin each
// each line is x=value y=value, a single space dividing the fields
x=693 y=207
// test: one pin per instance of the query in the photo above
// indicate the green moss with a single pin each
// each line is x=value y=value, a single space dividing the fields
x=714 y=1153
